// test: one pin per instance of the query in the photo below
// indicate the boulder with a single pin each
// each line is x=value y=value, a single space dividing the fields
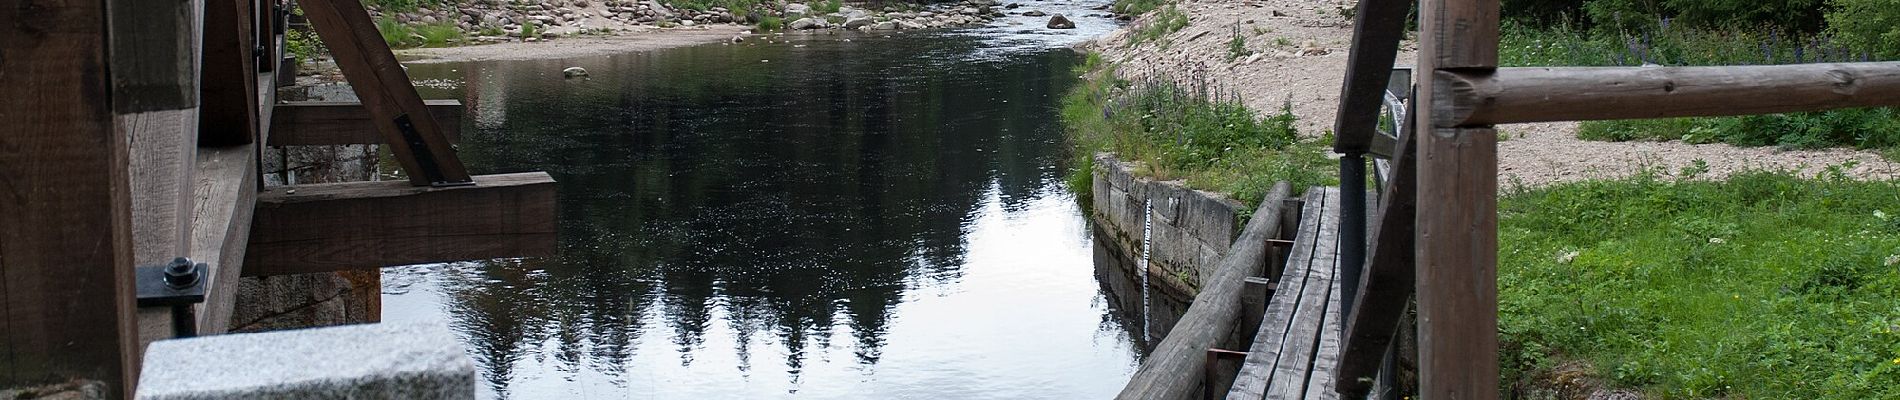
x=1058 y=22
x=859 y=22
x=806 y=23
x=884 y=26
x=1034 y=13
x=796 y=8
x=909 y=25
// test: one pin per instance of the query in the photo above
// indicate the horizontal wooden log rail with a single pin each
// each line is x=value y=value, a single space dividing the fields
x=1512 y=95
x=316 y=123
x=354 y=225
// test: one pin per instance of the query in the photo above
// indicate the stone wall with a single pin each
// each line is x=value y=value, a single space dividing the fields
x=1191 y=228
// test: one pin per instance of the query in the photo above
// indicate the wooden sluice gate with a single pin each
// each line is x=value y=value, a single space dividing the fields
x=134 y=131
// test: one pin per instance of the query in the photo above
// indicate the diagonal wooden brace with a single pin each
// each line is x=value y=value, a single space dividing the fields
x=412 y=133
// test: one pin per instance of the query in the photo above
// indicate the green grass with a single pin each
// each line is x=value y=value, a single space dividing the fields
x=1763 y=286
x=396 y=34
x=1188 y=132
x=770 y=23
x=1137 y=7
x=826 y=7
x=1169 y=20
x=1877 y=128
x=530 y=29
x=440 y=34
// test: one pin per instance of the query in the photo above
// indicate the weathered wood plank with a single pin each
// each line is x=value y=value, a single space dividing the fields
x=1457 y=239
x=163 y=152
x=353 y=225
x=66 y=292
x=316 y=123
x=1466 y=34
x=1326 y=356
x=385 y=90
x=155 y=54
x=1377 y=27
x=1264 y=351
x=1173 y=370
x=1388 y=283
x=1297 y=353
x=1511 y=95
x=226 y=193
x=230 y=97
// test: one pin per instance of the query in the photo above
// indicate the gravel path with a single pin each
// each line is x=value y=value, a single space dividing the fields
x=1299 y=57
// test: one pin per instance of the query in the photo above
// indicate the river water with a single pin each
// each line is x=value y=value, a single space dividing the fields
x=821 y=216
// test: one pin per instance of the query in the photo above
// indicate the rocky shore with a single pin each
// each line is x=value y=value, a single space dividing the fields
x=493 y=21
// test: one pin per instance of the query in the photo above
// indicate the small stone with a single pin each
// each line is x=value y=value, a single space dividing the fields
x=1034 y=13
x=574 y=72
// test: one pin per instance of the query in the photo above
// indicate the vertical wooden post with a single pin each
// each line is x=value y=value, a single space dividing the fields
x=1457 y=210
x=230 y=84
x=66 y=283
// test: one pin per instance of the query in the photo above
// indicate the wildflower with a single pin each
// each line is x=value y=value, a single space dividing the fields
x=1893 y=260
x=1896 y=361
x=1567 y=256
x=1717 y=240
x=1882 y=215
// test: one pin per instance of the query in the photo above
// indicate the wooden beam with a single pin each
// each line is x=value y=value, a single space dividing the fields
x=314 y=123
x=1457 y=241
x=342 y=226
x=230 y=98
x=1377 y=28
x=1172 y=370
x=412 y=133
x=1511 y=95
x=155 y=54
x=66 y=289
x=1387 y=284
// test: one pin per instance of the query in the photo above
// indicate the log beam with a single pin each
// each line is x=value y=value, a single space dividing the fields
x=341 y=226
x=318 y=123
x=1512 y=95
x=1457 y=237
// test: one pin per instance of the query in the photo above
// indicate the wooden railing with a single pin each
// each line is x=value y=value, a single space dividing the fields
x=1447 y=166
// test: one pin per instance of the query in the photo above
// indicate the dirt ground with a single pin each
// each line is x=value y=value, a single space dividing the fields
x=1299 y=58
x=578 y=46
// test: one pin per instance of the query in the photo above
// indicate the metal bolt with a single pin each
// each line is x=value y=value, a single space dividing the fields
x=180 y=273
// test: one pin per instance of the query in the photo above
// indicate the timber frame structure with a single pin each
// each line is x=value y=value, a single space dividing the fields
x=1434 y=235
x=132 y=135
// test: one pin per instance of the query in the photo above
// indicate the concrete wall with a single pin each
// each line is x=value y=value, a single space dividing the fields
x=1191 y=228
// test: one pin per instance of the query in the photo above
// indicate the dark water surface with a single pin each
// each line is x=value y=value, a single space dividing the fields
x=882 y=217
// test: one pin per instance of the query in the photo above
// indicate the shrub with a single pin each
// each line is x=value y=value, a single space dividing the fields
x=303 y=45
x=769 y=23
x=1190 y=131
x=1169 y=20
x=439 y=34
x=1870 y=25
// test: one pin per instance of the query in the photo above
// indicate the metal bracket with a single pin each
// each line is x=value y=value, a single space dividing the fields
x=178 y=284
x=424 y=158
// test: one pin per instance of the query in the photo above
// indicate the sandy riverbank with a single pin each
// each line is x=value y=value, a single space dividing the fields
x=1299 y=57
x=569 y=47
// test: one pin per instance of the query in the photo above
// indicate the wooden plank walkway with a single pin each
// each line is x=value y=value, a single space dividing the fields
x=1297 y=346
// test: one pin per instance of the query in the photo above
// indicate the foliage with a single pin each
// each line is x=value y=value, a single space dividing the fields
x=1188 y=131
x=1137 y=7
x=439 y=34
x=396 y=34
x=403 y=5
x=826 y=7
x=770 y=23
x=1865 y=128
x=1804 y=16
x=1237 y=46
x=530 y=29
x=1873 y=25
x=1766 y=285
x=1169 y=20
x=303 y=45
